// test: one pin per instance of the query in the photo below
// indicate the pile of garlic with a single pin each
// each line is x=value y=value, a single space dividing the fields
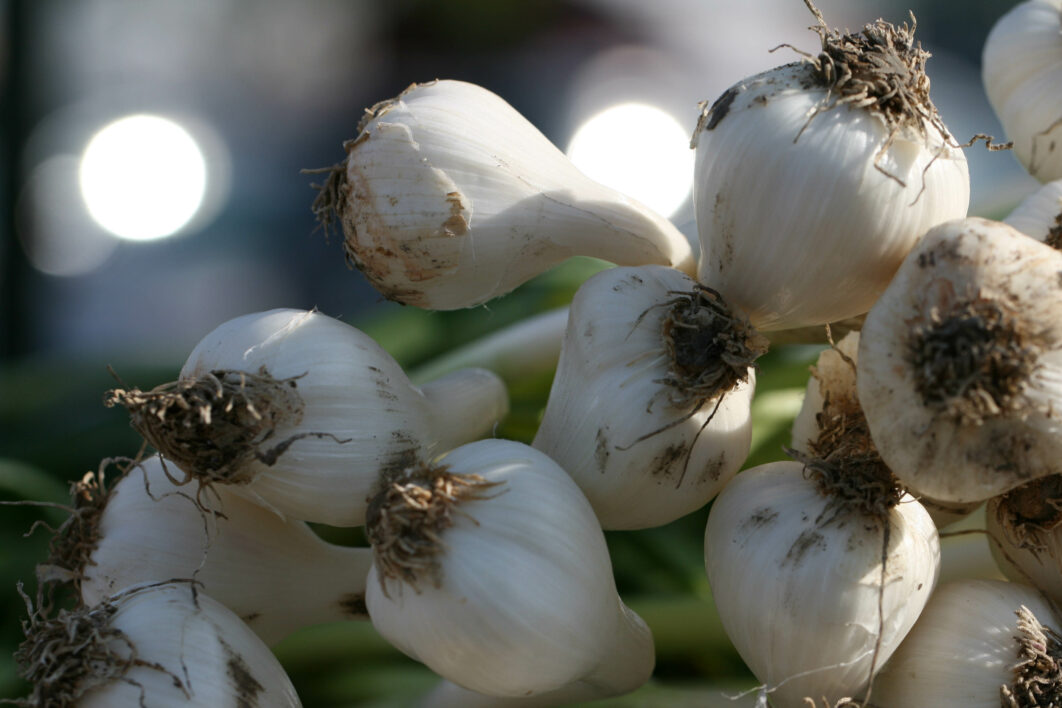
x=488 y=560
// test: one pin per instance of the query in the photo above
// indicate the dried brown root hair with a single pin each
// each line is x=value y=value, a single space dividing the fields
x=1038 y=673
x=408 y=515
x=74 y=652
x=1054 y=234
x=1027 y=514
x=213 y=426
x=971 y=360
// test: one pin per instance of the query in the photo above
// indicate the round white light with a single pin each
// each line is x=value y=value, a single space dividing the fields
x=639 y=150
x=142 y=177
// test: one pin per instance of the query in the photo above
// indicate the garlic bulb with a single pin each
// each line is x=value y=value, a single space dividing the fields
x=491 y=568
x=960 y=363
x=1040 y=215
x=276 y=575
x=817 y=578
x=449 y=197
x=978 y=644
x=649 y=409
x=1025 y=528
x=154 y=645
x=831 y=421
x=1022 y=69
x=306 y=411
x=813 y=180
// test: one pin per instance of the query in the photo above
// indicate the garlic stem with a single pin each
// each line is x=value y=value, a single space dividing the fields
x=528 y=347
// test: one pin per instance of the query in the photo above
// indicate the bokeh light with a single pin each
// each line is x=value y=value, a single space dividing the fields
x=143 y=177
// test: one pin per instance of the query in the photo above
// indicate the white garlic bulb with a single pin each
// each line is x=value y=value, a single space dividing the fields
x=831 y=421
x=449 y=197
x=960 y=363
x=1025 y=531
x=977 y=644
x=155 y=645
x=490 y=567
x=276 y=574
x=812 y=183
x=1040 y=215
x=649 y=409
x=1021 y=66
x=306 y=412
x=796 y=570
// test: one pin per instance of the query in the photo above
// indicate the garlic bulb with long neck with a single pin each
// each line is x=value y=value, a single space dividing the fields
x=813 y=180
x=1040 y=215
x=1025 y=531
x=649 y=409
x=818 y=571
x=978 y=644
x=960 y=363
x=306 y=412
x=831 y=421
x=161 y=645
x=1021 y=66
x=448 y=197
x=276 y=574
x=491 y=568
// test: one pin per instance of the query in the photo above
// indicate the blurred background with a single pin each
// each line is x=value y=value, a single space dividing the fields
x=154 y=186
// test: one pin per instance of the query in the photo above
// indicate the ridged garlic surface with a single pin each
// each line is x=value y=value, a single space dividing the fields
x=1025 y=535
x=1021 y=66
x=649 y=409
x=965 y=649
x=157 y=646
x=275 y=574
x=491 y=568
x=306 y=411
x=960 y=363
x=799 y=584
x=809 y=189
x=449 y=197
x=1040 y=215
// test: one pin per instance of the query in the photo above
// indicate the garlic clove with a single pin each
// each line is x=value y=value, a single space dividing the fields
x=306 y=412
x=961 y=363
x=649 y=408
x=275 y=574
x=159 y=645
x=1025 y=534
x=798 y=579
x=969 y=648
x=1040 y=215
x=807 y=199
x=449 y=197
x=491 y=569
x=1022 y=68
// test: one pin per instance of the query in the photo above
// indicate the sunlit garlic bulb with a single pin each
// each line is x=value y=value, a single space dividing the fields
x=960 y=363
x=449 y=197
x=813 y=180
x=306 y=412
x=649 y=409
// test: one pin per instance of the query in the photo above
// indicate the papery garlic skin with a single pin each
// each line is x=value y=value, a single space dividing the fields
x=449 y=197
x=192 y=652
x=610 y=420
x=797 y=223
x=962 y=649
x=799 y=595
x=352 y=412
x=1021 y=66
x=965 y=436
x=1040 y=215
x=519 y=600
x=1025 y=535
x=276 y=574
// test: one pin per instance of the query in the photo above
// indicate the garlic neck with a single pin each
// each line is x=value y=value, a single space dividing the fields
x=972 y=359
x=213 y=424
x=1038 y=674
x=464 y=405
